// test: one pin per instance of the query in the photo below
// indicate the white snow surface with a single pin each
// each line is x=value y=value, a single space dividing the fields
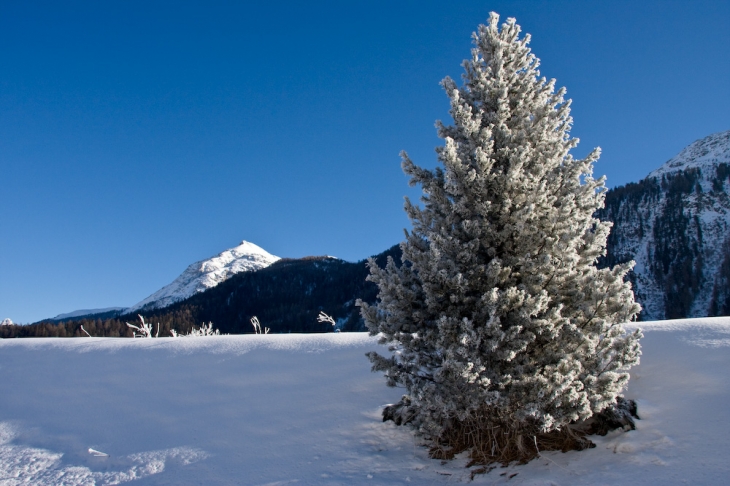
x=705 y=153
x=6 y=322
x=205 y=274
x=305 y=409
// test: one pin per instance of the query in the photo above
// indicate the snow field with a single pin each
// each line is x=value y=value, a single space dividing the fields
x=285 y=409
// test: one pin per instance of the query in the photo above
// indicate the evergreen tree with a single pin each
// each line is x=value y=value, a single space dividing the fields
x=503 y=330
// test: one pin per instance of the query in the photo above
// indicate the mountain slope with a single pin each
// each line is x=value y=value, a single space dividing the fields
x=704 y=154
x=96 y=313
x=206 y=274
x=674 y=224
x=286 y=297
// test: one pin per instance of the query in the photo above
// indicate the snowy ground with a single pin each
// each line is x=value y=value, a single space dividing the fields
x=285 y=409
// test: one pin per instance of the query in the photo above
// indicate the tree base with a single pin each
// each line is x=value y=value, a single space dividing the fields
x=491 y=439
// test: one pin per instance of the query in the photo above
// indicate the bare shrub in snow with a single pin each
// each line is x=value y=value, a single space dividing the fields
x=144 y=329
x=257 y=326
x=504 y=333
x=205 y=330
x=322 y=317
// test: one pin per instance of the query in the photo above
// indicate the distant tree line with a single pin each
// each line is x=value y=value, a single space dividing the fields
x=95 y=327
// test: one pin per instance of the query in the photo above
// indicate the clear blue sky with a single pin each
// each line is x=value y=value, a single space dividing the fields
x=139 y=137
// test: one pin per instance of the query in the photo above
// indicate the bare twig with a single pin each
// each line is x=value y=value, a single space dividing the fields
x=322 y=317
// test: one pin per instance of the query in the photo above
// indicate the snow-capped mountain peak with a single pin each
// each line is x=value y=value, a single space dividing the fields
x=705 y=153
x=205 y=274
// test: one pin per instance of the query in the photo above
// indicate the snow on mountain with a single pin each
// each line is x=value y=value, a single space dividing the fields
x=6 y=322
x=87 y=312
x=205 y=274
x=675 y=225
x=704 y=154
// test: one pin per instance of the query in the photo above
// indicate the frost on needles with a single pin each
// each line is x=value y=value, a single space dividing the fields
x=504 y=334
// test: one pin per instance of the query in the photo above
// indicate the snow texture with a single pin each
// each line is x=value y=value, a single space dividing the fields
x=6 y=322
x=305 y=409
x=205 y=274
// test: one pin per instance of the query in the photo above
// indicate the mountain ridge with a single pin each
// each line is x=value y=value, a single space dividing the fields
x=675 y=224
x=88 y=312
x=706 y=152
x=208 y=273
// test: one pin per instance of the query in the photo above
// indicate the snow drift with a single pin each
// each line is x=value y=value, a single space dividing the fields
x=282 y=409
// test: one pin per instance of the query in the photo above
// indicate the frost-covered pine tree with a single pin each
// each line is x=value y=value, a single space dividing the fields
x=504 y=333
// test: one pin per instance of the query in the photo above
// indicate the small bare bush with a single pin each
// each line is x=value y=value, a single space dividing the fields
x=205 y=330
x=322 y=317
x=257 y=326
x=144 y=329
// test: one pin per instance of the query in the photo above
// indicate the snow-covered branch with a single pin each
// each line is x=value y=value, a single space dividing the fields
x=322 y=317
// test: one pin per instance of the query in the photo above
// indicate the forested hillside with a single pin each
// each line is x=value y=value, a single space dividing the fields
x=675 y=225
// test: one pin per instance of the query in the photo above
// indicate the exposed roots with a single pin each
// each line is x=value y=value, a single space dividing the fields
x=489 y=441
x=492 y=437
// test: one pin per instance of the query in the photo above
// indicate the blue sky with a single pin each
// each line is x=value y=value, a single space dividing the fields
x=139 y=137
